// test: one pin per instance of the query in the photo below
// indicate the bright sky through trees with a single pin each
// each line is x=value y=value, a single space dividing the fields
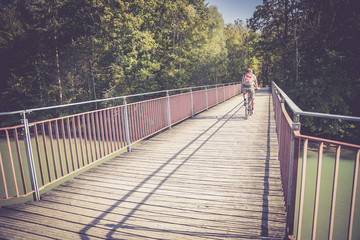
x=235 y=9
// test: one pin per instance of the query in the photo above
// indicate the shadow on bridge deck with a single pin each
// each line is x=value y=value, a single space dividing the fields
x=212 y=177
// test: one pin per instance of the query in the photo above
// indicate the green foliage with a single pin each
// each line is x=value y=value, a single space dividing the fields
x=310 y=49
x=63 y=51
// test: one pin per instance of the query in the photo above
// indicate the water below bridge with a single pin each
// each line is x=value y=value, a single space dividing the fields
x=215 y=176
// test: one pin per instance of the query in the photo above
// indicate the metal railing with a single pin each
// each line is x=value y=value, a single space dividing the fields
x=59 y=147
x=291 y=144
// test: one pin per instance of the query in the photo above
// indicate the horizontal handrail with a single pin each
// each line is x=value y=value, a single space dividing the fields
x=297 y=111
x=327 y=141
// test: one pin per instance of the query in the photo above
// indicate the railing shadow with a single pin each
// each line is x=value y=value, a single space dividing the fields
x=121 y=224
x=265 y=210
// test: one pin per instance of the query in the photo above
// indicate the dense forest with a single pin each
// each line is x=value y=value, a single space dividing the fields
x=63 y=51
x=311 y=49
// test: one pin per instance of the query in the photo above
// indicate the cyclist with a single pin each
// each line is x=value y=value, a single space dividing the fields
x=249 y=83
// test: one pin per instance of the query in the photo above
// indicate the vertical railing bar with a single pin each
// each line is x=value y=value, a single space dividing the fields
x=161 y=114
x=52 y=149
x=165 y=116
x=135 y=122
x=126 y=121
x=101 y=116
x=85 y=139
x=224 y=93
x=30 y=158
x=12 y=162
x=20 y=160
x=75 y=141
x=112 y=131
x=317 y=191
x=58 y=145
x=121 y=127
x=90 y=137
x=64 y=143
x=207 y=98
x=98 y=132
x=106 y=132
x=334 y=190
x=217 y=95
x=192 y=102
x=153 y=116
x=93 y=124
x=70 y=143
x=147 y=118
x=81 y=142
x=109 y=120
x=143 y=119
x=43 y=132
x=158 y=115
x=117 y=141
x=3 y=177
x=168 y=109
x=131 y=133
x=302 y=188
x=353 y=195
x=39 y=156
x=280 y=113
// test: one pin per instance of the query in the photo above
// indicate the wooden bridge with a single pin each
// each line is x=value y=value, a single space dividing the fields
x=215 y=176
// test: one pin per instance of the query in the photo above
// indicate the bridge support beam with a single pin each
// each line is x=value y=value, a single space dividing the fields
x=290 y=212
x=30 y=159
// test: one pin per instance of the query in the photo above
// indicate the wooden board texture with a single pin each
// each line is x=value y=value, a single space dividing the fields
x=215 y=176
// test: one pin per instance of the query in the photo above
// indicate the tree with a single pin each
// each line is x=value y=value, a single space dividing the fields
x=319 y=38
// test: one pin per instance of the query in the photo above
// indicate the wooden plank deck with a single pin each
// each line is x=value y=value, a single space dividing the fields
x=212 y=177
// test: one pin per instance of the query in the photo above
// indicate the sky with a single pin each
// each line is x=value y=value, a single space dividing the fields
x=235 y=9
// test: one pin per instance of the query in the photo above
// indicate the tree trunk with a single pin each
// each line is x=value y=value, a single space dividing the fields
x=296 y=43
x=57 y=63
x=92 y=80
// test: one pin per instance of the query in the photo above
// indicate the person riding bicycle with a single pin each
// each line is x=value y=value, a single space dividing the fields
x=248 y=85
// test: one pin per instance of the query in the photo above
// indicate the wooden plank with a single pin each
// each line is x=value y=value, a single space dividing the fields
x=212 y=177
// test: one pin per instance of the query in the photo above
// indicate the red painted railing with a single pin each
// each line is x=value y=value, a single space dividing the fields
x=291 y=144
x=56 y=148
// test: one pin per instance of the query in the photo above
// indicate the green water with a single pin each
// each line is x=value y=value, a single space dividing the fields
x=343 y=195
